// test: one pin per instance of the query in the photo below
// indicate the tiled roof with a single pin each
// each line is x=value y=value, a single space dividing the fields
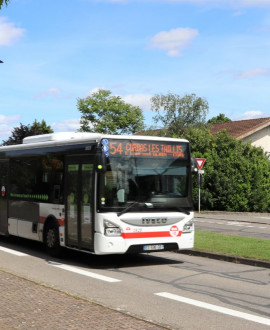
x=241 y=128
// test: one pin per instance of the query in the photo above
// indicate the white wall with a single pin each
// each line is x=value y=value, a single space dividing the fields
x=260 y=139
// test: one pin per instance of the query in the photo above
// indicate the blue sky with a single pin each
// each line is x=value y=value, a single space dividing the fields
x=55 y=52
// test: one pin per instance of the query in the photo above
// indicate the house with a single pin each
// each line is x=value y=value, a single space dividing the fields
x=257 y=131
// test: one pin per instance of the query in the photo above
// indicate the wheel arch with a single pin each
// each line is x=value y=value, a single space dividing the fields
x=50 y=221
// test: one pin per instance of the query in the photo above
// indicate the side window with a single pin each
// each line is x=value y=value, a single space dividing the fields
x=22 y=177
x=52 y=178
x=37 y=178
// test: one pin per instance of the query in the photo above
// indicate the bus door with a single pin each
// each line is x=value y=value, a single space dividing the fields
x=79 y=203
x=3 y=197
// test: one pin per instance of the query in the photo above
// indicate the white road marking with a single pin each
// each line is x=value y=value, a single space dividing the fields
x=230 y=223
x=86 y=273
x=16 y=253
x=215 y=308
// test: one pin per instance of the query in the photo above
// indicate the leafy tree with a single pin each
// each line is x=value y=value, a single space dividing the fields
x=104 y=113
x=237 y=175
x=221 y=118
x=39 y=128
x=22 y=131
x=3 y=2
x=176 y=113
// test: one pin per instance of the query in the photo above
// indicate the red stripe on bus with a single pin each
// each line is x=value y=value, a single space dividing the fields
x=149 y=234
x=61 y=222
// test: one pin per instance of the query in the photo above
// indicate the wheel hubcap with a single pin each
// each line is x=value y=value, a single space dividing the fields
x=50 y=238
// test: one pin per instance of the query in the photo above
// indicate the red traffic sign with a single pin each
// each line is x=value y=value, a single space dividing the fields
x=200 y=162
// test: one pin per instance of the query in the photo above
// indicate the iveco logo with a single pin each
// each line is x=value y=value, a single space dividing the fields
x=154 y=221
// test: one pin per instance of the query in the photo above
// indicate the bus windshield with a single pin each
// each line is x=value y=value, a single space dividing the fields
x=148 y=174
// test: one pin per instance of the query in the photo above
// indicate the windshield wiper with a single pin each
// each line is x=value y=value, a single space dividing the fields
x=127 y=208
x=180 y=209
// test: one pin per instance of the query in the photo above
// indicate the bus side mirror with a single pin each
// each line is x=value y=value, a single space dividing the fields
x=194 y=167
x=100 y=161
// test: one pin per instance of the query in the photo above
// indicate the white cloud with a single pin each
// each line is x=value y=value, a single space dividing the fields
x=253 y=73
x=68 y=125
x=94 y=90
x=54 y=92
x=8 y=119
x=173 y=41
x=5 y=132
x=139 y=100
x=252 y=115
x=5 y=125
x=8 y=32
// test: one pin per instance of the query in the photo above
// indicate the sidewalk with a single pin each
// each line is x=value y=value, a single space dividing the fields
x=27 y=305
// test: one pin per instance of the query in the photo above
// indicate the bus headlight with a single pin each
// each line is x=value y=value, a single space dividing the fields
x=111 y=229
x=188 y=227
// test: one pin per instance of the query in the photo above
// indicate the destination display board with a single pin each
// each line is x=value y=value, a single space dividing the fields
x=152 y=149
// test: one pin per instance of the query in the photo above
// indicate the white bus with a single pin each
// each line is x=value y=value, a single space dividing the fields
x=97 y=193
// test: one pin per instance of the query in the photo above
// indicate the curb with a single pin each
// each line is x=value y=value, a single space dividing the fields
x=223 y=257
x=203 y=214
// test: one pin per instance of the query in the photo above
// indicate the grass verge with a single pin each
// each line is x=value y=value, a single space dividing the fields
x=237 y=246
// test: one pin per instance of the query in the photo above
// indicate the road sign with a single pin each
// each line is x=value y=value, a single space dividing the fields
x=200 y=162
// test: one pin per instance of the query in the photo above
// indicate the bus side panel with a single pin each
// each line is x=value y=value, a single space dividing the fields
x=24 y=219
x=13 y=226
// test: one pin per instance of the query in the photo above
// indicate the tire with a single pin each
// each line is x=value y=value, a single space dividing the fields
x=51 y=240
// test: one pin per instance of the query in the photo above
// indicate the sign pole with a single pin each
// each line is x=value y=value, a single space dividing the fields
x=199 y=206
x=200 y=163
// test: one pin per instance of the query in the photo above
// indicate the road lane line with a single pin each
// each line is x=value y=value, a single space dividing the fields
x=86 y=273
x=215 y=308
x=16 y=253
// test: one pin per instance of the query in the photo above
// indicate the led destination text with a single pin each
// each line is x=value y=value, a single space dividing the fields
x=146 y=149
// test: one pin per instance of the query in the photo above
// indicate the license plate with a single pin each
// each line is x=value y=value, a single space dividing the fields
x=153 y=247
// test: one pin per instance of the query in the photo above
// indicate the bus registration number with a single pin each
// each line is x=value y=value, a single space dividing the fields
x=153 y=247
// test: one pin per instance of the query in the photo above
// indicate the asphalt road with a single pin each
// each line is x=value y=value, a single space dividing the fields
x=174 y=290
x=243 y=224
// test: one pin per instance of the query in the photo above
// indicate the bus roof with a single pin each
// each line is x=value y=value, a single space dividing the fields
x=62 y=138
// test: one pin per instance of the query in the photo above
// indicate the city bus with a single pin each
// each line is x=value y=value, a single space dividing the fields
x=102 y=194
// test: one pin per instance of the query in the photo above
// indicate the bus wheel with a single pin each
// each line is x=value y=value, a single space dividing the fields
x=52 y=241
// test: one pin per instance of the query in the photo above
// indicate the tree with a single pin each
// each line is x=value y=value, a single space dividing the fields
x=221 y=118
x=176 y=113
x=104 y=113
x=3 y=2
x=39 y=128
x=22 y=131
x=237 y=174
